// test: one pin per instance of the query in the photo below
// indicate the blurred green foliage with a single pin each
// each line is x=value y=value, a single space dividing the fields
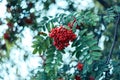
x=92 y=26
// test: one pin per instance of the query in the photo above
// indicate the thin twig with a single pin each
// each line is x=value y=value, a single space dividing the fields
x=114 y=40
x=42 y=57
x=20 y=30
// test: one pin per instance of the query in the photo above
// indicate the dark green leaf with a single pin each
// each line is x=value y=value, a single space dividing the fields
x=78 y=54
x=48 y=26
x=80 y=48
x=45 y=18
x=44 y=28
x=76 y=42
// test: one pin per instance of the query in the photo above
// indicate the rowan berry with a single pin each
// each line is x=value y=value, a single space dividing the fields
x=61 y=37
x=79 y=66
x=91 y=78
x=28 y=21
x=6 y=36
x=77 y=77
x=10 y=25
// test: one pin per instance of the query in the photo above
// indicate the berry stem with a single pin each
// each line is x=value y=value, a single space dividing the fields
x=114 y=40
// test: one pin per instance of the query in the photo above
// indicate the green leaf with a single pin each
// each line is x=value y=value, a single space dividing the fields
x=48 y=41
x=50 y=50
x=80 y=48
x=74 y=27
x=74 y=53
x=48 y=25
x=95 y=48
x=40 y=50
x=82 y=32
x=89 y=61
x=39 y=38
x=35 y=51
x=91 y=42
x=50 y=55
x=87 y=38
x=43 y=46
x=59 y=55
x=78 y=54
x=47 y=69
x=55 y=20
x=49 y=60
x=43 y=76
x=52 y=25
x=95 y=57
x=45 y=18
x=75 y=42
x=96 y=54
x=85 y=68
x=44 y=28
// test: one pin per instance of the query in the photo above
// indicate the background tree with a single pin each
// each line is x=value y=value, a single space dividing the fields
x=75 y=33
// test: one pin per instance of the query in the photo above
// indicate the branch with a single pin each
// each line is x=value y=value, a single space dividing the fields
x=18 y=32
x=114 y=40
x=104 y=3
x=42 y=57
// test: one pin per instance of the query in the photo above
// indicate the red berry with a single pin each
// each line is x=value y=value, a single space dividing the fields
x=70 y=25
x=91 y=78
x=28 y=21
x=77 y=77
x=79 y=66
x=10 y=25
x=6 y=36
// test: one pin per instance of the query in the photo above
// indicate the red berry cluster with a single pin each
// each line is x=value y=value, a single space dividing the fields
x=79 y=66
x=77 y=77
x=61 y=37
